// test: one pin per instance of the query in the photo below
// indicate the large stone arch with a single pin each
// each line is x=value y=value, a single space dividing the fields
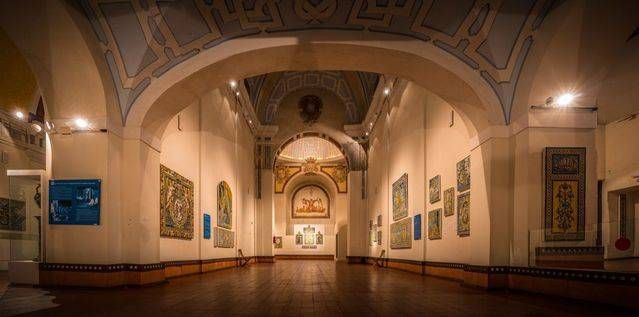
x=241 y=58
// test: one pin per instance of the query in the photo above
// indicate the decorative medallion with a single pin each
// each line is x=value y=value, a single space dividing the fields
x=176 y=205
x=310 y=107
x=310 y=166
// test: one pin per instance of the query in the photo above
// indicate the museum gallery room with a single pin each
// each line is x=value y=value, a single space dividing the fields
x=319 y=158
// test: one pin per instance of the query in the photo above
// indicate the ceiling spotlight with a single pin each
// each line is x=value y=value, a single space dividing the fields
x=237 y=93
x=386 y=91
x=233 y=84
x=19 y=115
x=81 y=123
x=565 y=99
x=366 y=133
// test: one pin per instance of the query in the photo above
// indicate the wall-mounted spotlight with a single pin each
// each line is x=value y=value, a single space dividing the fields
x=233 y=84
x=81 y=123
x=237 y=93
x=19 y=115
x=563 y=101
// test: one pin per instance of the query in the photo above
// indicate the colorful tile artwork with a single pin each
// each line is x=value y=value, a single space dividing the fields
x=176 y=205
x=435 y=224
x=223 y=238
x=463 y=214
x=434 y=189
x=564 y=194
x=400 y=197
x=463 y=175
x=401 y=234
x=449 y=202
x=224 y=206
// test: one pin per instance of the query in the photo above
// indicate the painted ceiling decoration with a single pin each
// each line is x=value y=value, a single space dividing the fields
x=266 y=100
x=143 y=39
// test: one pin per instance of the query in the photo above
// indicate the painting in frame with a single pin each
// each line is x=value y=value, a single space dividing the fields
x=401 y=234
x=223 y=238
x=277 y=242
x=434 y=189
x=400 y=197
x=379 y=237
x=435 y=224
x=176 y=205
x=463 y=175
x=449 y=202
x=310 y=201
x=379 y=220
x=564 y=193
x=224 y=206
x=463 y=214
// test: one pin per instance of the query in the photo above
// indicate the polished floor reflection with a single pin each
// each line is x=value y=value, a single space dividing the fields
x=294 y=288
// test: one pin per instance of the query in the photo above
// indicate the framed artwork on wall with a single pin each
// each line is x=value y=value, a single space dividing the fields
x=224 y=206
x=400 y=197
x=379 y=237
x=299 y=238
x=463 y=214
x=207 y=226
x=310 y=201
x=370 y=224
x=417 y=227
x=401 y=234
x=379 y=220
x=176 y=205
x=463 y=175
x=223 y=238
x=435 y=224
x=71 y=202
x=449 y=202
x=565 y=193
x=277 y=242
x=434 y=189
x=371 y=238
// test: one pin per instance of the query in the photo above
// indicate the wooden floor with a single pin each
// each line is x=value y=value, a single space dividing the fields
x=294 y=288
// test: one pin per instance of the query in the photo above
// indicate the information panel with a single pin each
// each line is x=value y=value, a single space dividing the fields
x=74 y=202
x=207 y=226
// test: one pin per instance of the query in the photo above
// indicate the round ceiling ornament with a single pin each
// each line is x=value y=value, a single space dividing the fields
x=310 y=107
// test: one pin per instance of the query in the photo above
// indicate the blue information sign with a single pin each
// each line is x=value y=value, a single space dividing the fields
x=74 y=202
x=417 y=227
x=207 y=226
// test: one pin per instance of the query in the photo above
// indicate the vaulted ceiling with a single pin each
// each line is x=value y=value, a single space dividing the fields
x=354 y=89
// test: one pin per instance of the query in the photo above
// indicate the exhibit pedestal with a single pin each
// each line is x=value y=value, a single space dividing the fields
x=24 y=272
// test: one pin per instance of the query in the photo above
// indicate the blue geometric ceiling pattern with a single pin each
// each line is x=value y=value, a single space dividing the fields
x=143 y=39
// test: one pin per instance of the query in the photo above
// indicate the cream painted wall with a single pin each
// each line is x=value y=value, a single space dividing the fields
x=211 y=145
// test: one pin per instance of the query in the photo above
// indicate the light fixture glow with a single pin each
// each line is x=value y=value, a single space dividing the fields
x=36 y=127
x=233 y=84
x=237 y=93
x=19 y=115
x=565 y=99
x=81 y=123
x=386 y=91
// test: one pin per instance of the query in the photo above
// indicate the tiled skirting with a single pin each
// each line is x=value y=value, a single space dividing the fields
x=598 y=286
x=111 y=275
x=305 y=257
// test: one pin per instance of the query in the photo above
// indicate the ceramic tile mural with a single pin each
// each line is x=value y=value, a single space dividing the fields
x=463 y=214
x=463 y=175
x=401 y=234
x=224 y=206
x=282 y=174
x=449 y=202
x=565 y=193
x=310 y=201
x=277 y=242
x=176 y=205
x=339 y=176
x=223 y=238
x=400 y=197
x=435 y=224
x=434 y=189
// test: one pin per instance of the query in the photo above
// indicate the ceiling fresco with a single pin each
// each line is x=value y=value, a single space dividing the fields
x=142 y=39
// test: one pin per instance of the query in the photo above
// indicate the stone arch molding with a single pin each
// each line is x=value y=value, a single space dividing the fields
x=144 y=41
